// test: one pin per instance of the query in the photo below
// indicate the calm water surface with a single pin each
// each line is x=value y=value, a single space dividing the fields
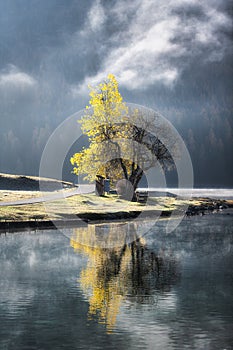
x=162 y=291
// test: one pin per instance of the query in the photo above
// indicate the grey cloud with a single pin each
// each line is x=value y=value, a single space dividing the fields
x=158 y=40
x=189 y=12
x=173 y=56
x=12 y=77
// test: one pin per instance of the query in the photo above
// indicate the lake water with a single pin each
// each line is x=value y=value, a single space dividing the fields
x=162 y=291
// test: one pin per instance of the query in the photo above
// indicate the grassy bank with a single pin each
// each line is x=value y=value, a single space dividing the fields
x=90 y=204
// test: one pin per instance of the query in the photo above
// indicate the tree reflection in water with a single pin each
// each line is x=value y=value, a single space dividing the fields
x=128 y=271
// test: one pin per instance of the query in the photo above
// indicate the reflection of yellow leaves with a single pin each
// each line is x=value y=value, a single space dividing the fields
x=112 y=274
x=99 y=281
x=86 y=277
x=113 y=310
x=104 y=300
x=97 y=300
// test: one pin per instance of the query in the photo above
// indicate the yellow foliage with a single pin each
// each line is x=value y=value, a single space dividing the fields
x=107 y=122
x=106 y=111
x=105 y=290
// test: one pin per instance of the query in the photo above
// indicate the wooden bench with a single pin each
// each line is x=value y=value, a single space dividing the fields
x=141 y=196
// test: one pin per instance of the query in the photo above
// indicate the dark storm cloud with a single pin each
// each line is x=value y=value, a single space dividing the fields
x=155 y=40
x=190 y=11
x=142 y=42
x=173 y=55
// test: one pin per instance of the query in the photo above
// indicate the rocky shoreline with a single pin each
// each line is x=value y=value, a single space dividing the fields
x=208 y=205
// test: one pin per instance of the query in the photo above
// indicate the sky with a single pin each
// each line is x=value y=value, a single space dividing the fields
x=173 y=56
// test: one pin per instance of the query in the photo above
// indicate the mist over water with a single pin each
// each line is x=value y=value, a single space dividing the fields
x=222 y=193
x=167 y=291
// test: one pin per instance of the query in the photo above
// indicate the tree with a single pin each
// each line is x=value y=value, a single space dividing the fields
x=122 y=141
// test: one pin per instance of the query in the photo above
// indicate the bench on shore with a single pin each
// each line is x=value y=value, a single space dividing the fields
x=141 y=196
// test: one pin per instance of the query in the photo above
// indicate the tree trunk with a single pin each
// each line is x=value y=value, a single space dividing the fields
x=135 y=178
